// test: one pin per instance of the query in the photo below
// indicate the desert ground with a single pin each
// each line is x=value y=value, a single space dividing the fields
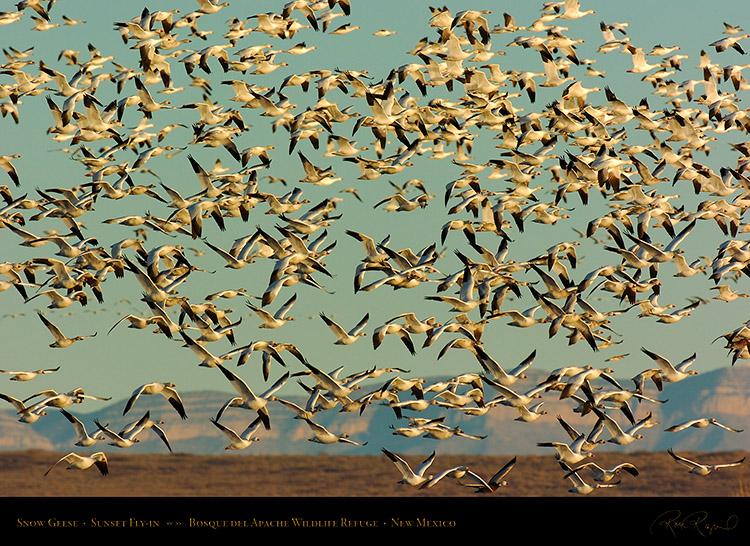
x=214 y=493
x=245 y=475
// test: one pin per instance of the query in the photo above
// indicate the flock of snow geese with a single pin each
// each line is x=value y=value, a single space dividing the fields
x=453 y=100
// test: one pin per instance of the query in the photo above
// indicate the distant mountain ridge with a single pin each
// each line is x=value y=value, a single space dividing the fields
x=722 y=394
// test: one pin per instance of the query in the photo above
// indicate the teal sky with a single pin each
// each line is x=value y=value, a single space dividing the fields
x=115 y=364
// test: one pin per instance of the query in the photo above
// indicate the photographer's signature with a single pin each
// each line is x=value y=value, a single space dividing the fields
x=674 y=522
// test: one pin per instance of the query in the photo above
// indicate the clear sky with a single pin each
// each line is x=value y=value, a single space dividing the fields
x=115 y=364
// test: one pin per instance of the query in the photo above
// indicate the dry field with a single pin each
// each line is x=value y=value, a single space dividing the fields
x=212 y=493
x=241 y=475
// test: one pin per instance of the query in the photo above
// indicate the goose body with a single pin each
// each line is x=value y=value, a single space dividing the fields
x=701 y=469
x=82 y=462
x=165 y=389
x=28 y=375
x=242 y=440
x=416 y=477
x=321 y=435
x=248 y=399
x=342 y=336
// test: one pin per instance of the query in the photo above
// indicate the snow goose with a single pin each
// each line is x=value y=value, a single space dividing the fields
x=61 y=340
x=211 y=332
x=569 y=453
x=374 y=372
x=60 y=301
x=398 y=384
x=329 y=382
x=5 y=163
x=641 y=378
x=727 y=294
x=672 y=373
x=237 y=261
x=620 y=436
x=342 y=336
x=606 y=475
x=208 y=360
x=137 y=323
x=269 y=349
x=700 y=468
x=59 y=400
x=25 y=415
x=730 y=41
x=407 y=432
x=456 y=473
x=583 y=377
x=454 y=400
x=322 y=436
x=618 y=398
x=494 y=483
x=274 y=288
x=465 y=301
x=153 y=292
x=279 y=318
x=493 y=368
x=131 y=430
x=580 y=487
x=116 y=439
x=393 y=328
x=639 y=60
x=243 y=440
x=165 y=389
x=572 y=10
x=551 y=70
x=373 y=254
x=248 y=399
x=591 y=440
x=521 y=319
x=411 y=477
x=146 y=103
x=84 y=439
x=441 y=432
x=310 y=408
x=701 y=422
x=28 y=375
x=508 y=397
x=418 y=404
x=82 y=462
x=527 y=414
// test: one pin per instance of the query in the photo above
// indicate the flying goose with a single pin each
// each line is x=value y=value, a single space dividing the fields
x=82 y=462
x=400 y=330
x=669 y=372
x=322 y=436
x=248 y=399
x=165 y=389
x=606 y=474
x=456 y=473
x=61 y=340
x=26 y=415
x=28 y=375
x=276 y=320
x=620 y=436
x=411 y=477
x=569 y=453
x=701 y=422
x=242 y=440
x=84 y=440
x=700 y=468
x=494 y=483
x=580 y=487
x=116 y=439
x=131 y=430
x=342 y=336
